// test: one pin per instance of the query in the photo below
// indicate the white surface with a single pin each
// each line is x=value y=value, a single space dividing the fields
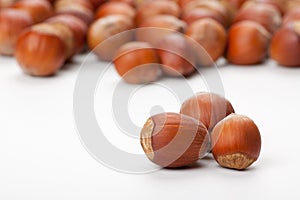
x=42 y=156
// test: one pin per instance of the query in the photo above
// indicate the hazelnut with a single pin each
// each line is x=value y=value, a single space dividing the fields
x=81 y=9
x=200 y=13
x=78 y=27
x=176 y=55
x=285 y=45
x=174 y=140
x=264 y=14
x=236 y=142
x=115 y=7
x=209 y=108
x=247 y=43
x=211 y=35
x=62 y=31
x=137 y=62
x=41 y=51
x=12 y=23
x=38 y=9
x=102 y=29
x=216 y=6
x=153 y=8
x=155 y=28
x=278 y=4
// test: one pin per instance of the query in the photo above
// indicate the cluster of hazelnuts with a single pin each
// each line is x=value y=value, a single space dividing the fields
x=44 y=34
x=206 y=122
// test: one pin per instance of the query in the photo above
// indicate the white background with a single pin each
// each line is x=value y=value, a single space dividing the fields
x=41 y=156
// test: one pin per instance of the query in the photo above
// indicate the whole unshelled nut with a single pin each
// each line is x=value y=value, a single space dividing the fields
x=209 y=108
x=174 y=140
x=236 y=142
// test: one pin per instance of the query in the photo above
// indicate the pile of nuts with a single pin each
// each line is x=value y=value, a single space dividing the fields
x=206 y=122
x=45 y=34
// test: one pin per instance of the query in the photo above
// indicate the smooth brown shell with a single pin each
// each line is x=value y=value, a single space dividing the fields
x=211 y=35
x=12 y=23
x=103 y=29
x=153 y=8
x=236 y=142
x=115 y=7
x=176 y=55
x=78 y=27
x=248 y=43
x=285 y=45
x=137 y=62
x=209 y=108
x=174 y=140
x=38 y=9
x=155 y=28
x=264 y=14
x=40 y=54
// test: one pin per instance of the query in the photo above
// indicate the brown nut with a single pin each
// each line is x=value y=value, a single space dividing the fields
x=115 y=8
x=12 y=23
x=264 y=14
x=78 y=27
x=153 y=8
x=216 y=6
x=278 y=4
x=137 y=63
x=102 y=29
x=211 y=35
x=79 y=8
x=285 y=45
x=209 y=108
x=174 y=140
x=176 y=55
x=155 y=28
x=39 y=10
x=62 y=31
x=236 y=142
x=200 y=13
x=248 y=43
x=40 y=51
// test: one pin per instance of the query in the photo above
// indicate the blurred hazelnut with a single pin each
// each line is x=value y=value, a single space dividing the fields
x=285 y=45
x=137 y=63
x=176 y=55
x=114 y=7
x=264 y=14
x=211 y=35
x=12 y=23
x=39 y=10
x=155 y=28
x=102 y=29
x=248 y=43
x=40 y=51
x=153 y=8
